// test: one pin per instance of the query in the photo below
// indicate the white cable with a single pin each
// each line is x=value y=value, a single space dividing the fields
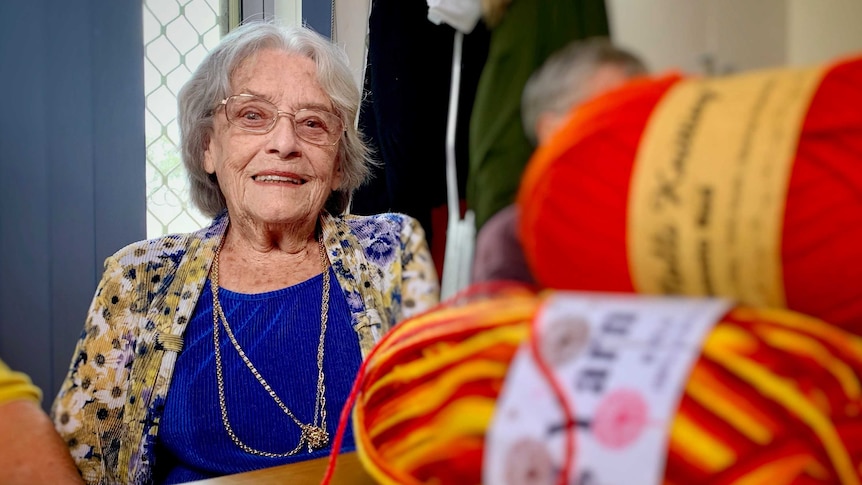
x=460 y=233
x=451 y=125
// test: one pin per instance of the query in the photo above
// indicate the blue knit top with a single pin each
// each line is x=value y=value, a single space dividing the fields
x=279 y=332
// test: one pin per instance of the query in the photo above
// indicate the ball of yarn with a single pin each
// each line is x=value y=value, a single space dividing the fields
x=773 y=398
x=576 y=196
x=430 y=389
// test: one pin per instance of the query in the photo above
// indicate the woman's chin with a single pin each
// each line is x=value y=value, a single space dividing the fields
x=276 y=216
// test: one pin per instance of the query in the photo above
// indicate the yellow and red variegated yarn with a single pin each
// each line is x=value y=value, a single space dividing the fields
x=773 y=399
x=430 y=389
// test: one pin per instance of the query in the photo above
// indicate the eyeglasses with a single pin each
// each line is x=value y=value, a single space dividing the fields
x=257 y=115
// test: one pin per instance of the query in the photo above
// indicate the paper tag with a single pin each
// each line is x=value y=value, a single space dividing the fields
x=622 y=362
x=709 y=185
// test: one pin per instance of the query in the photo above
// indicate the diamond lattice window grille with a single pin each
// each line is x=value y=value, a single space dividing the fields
x=177 y=35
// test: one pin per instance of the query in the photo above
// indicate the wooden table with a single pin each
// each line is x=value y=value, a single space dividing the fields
x=348 y=471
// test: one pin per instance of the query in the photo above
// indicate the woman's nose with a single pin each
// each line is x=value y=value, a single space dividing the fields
x=283 y=139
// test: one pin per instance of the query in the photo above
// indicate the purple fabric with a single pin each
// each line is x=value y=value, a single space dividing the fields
x=499 y=255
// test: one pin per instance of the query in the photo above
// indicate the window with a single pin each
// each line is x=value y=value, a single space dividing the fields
x=177 y=36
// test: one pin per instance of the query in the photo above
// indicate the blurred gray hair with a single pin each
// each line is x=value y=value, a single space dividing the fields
x=210 y=83
x=559 y=83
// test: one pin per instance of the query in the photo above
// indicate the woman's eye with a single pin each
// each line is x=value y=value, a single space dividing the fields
x=314 y=123
x=252 y=115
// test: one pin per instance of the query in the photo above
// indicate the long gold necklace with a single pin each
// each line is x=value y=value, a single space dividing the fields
x=315 y=434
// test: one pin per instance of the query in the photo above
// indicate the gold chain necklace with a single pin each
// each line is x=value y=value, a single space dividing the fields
x=315 y=434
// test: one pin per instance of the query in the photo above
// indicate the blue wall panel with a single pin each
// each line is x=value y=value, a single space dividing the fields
x=72 y=169
x=317 y=14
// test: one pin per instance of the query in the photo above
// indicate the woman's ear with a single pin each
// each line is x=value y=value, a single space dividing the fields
x=209 y=162
x=337 y=175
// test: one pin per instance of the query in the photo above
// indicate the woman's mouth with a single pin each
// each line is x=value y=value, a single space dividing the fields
x=278 y=179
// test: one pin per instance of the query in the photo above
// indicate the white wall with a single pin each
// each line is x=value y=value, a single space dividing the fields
x=748 y=34
x=351 y=31
x=289 y=12
x=664 y=33
x=685 y=35
x=820 y=30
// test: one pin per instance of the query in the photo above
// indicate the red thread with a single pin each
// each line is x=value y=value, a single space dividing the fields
x=566 y=407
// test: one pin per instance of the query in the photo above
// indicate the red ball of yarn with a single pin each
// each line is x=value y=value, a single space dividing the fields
x=575 y=197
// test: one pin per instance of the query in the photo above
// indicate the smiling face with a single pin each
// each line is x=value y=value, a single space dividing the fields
x=276 y=177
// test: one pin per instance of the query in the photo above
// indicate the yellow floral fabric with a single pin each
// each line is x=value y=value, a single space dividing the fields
x=110 y=404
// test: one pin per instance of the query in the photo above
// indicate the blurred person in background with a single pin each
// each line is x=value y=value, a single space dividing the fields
x=581 y=70
x=524 y=34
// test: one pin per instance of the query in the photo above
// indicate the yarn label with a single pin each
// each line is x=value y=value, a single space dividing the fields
x=620 y=364
x=709 y=185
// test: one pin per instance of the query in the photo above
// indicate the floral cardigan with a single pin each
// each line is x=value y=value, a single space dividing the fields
x=110 y=404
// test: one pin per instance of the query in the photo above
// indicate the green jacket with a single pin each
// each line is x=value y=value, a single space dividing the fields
x=530 y=31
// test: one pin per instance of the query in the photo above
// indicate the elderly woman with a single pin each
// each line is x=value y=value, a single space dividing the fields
x=234 y=348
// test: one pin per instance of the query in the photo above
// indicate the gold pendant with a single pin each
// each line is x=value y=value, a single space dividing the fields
x=315 y=436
